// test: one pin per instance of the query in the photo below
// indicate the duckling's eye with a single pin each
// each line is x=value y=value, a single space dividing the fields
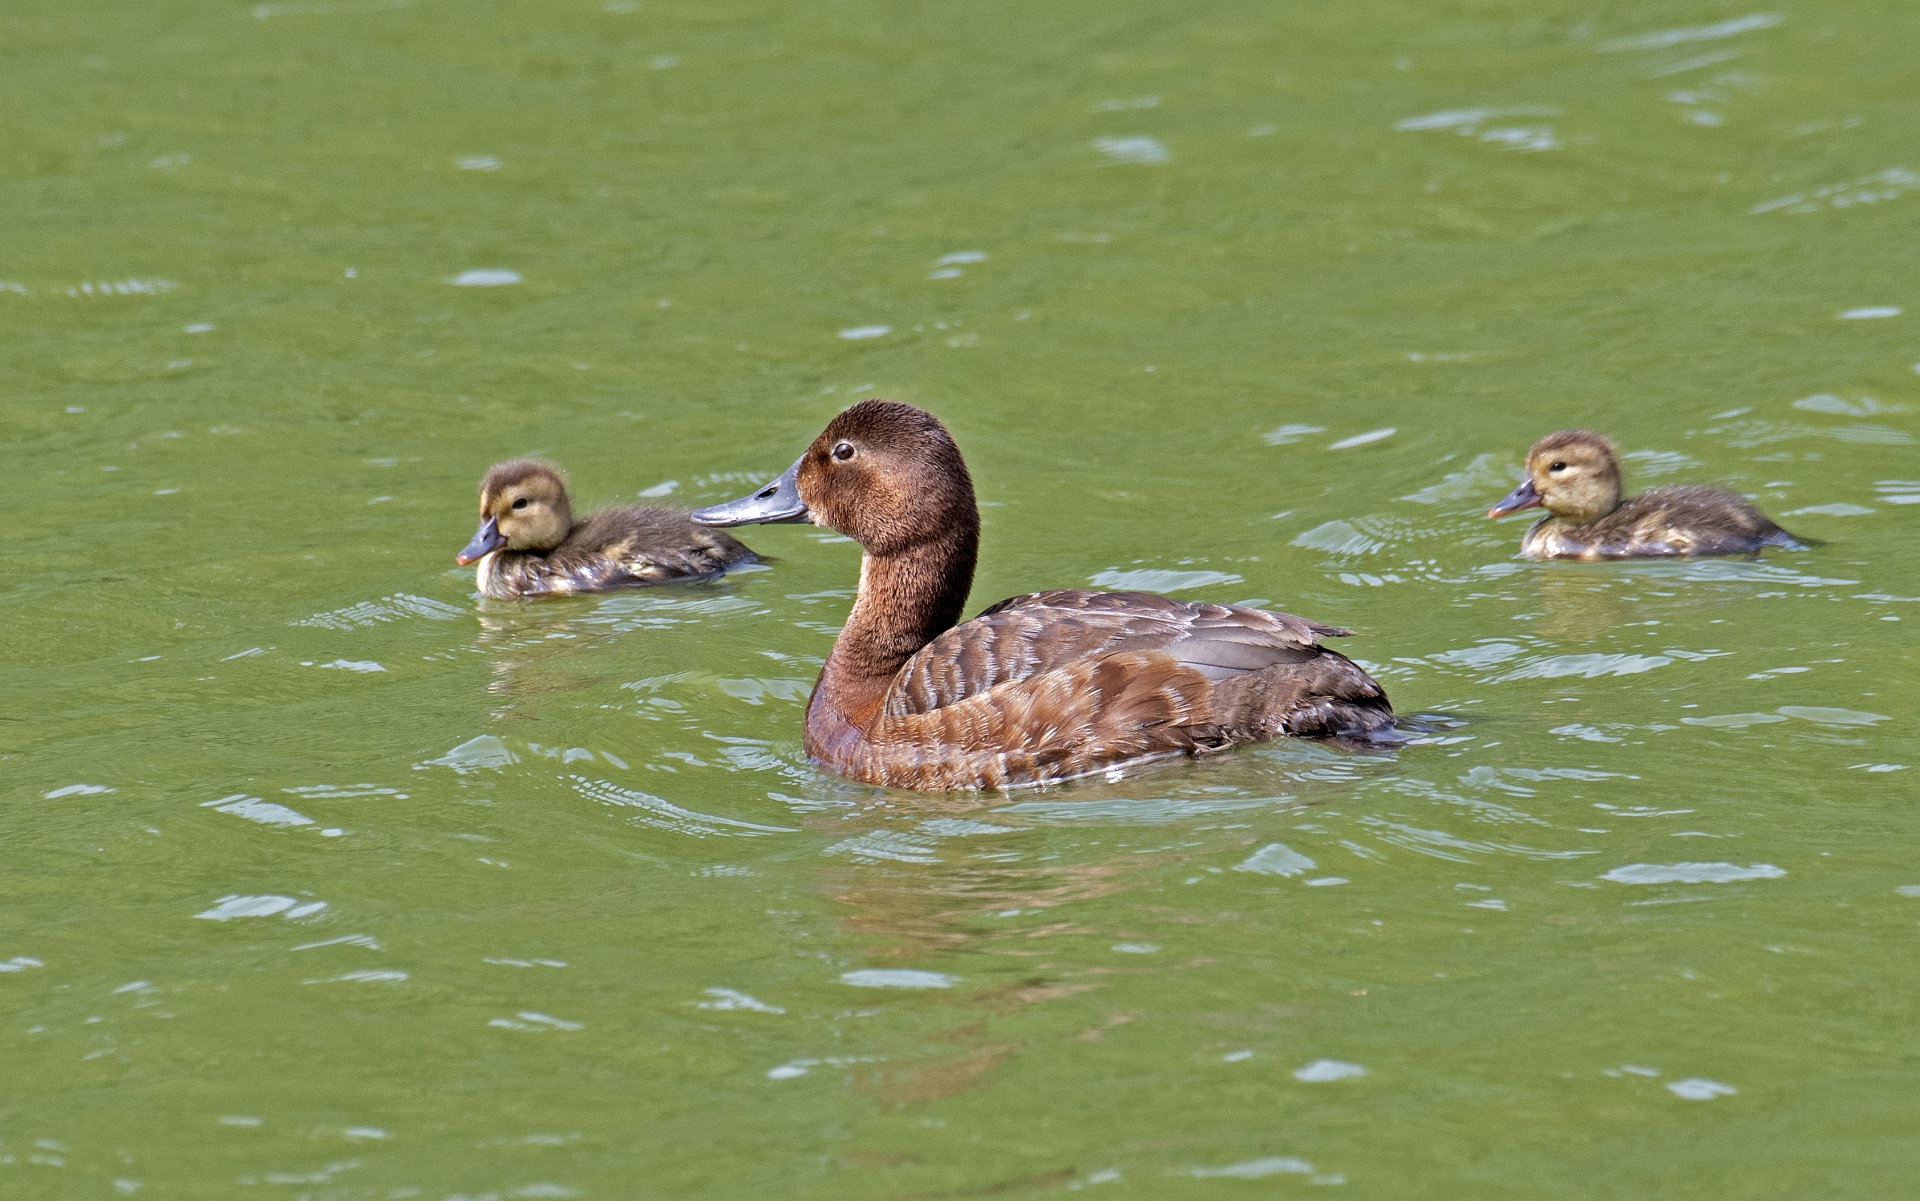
x=1557 y=466
x=843 y=451
x=521 y=503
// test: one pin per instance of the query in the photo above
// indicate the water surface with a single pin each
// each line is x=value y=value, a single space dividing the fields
x=325 y=879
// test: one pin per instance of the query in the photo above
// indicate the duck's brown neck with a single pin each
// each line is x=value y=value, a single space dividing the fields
x=906 y=600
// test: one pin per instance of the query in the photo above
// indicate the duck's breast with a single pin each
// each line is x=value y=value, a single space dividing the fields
x=1620 y=535
x=509 y=575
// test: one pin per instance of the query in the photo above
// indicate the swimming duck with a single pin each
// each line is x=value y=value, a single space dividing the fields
x=1038 y=688
x=530 y=545
x=1575 y=476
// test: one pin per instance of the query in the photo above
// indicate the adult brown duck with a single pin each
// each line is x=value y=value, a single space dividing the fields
x=1575 y=476
x=529 y=544
x=1039 y=688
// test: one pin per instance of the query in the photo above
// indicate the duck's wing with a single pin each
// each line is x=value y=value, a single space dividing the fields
x=1059 y=684
x=1041 y=632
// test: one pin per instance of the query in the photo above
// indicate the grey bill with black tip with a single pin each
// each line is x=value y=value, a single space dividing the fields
x=487 y=539
x=1526 y=496
x=773 y=504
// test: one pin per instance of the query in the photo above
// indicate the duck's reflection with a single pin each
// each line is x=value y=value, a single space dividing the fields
x=523 y=640
x=1579 y=604
x=536 y=647
x=914 y=913
x=971 y=895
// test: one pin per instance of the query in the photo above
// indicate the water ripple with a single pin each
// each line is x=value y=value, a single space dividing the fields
x=665 y=815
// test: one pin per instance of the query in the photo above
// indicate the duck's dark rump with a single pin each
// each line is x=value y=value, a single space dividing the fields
x=616 y=548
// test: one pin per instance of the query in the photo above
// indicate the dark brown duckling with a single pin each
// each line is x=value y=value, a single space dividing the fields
x=530 y=545
x=1038 y=688
x=1575 y=476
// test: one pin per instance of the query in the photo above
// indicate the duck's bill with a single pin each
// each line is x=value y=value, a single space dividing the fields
x=487 y=540
x=776 y=502
x=1526 y=496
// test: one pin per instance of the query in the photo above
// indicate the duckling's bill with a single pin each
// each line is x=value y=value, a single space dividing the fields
x=775 y=503
x=485 y=541
x=1526 y=496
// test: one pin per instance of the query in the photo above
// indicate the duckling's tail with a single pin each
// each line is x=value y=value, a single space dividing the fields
x=1786 y=541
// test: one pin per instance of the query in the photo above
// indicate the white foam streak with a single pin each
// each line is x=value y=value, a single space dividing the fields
x=1276 y=859
x=1160 y=581
x=233 y=906
x=880 y=977
x=1692 y=873
x=321 y=8
x=1139 y=149
x=1696 y=33
x=1321 y=1071
x=1254 y=1169
x=255 y=809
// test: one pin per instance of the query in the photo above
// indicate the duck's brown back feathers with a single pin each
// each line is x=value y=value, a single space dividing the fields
x=1053 y=685
x=1676 y=520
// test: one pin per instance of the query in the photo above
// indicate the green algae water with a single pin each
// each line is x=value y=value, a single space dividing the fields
x=324 y=879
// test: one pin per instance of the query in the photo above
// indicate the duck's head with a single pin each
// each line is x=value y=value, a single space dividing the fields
x=1573 y=474
x=523 y=506
x=886 y=474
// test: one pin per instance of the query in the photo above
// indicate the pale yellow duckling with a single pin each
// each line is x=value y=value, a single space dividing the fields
x=529 y=544
x=1575 y=476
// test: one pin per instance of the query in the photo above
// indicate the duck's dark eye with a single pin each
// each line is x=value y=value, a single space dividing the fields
x=521 y=503
x=1557 y=466
x=843 y=451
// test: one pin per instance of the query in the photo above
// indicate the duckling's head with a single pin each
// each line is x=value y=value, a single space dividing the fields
x=1573 y=474
x=886 y=474
x=523 y=506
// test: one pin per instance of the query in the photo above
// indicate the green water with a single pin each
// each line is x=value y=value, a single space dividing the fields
x=548 y=903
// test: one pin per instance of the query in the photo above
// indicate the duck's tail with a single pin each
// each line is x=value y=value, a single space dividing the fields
x=1378 y=730
x=1368 y=719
